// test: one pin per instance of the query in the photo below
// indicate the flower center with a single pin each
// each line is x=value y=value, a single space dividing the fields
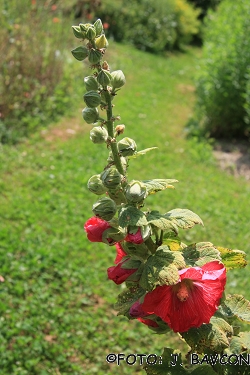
x=183 y=291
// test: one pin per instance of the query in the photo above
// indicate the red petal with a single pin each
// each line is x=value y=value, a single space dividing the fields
x=120 y=253
x=94 y=228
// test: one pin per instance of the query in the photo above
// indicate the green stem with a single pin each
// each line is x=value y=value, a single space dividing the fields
x=110 y=128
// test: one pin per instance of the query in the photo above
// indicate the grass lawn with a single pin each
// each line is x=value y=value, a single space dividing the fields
x=57 y=313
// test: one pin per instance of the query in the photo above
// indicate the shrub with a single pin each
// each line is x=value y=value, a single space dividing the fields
x=223 y=105
x=32 y=39
x=152 y=25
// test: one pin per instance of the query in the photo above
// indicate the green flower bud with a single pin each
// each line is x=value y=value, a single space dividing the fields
x=135 y=192
x=101 y=42
x=90 y=115
x=95 y=185
x=92 y=98
x=98 y=134
x=104 y=77
x=91 y=83
x=94 y=56
x=98 y=27
x=112 y=235
x=118 y=79
x=126 y=146
x=84 y=26
x=78 y=32
x=105 y=208
x=80 y=53
x=111 y=178
x=91 y=33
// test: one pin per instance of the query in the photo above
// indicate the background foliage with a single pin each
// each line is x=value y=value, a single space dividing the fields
x=223 y=79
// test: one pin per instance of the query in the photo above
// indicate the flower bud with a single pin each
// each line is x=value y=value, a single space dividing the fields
x=78 y=32
x=95 y=227
x=138 y=235
x=84 y=26
x=80 y=53
x=91 y=83
x=104 y=78
x=90 y=115
x=92 y=99
x=118 y=79
x=105 y=208
x=111 y=178
x=126 y=146
x=135 y=192
x=98 y=27
x=94 y=56
x=120 y=129
x=101 y=42
x=95 y=185
x=91 y=33
x=98 y=134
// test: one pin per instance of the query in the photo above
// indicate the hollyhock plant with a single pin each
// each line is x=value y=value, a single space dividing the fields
x=168 y=285
x=192 y=301
x=119 y=274
x=95 y=227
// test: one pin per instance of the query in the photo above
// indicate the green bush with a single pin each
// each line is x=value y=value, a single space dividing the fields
x=33 y=37
x=152 y=25
x=223 y=88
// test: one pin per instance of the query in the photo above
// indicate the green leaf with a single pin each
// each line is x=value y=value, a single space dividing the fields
x=203 y=370
x=236 y=306
x=140 y=153
x=161 y=222
x=168 y=364
x=155 y=185
x=131 y=264
x=130 y=215
x=232 y=258
x=127 y=298
x=200 y=253
x=140 y=251
x=162 y=268
x=184 y=218
x=239 y=344
x=212 y=336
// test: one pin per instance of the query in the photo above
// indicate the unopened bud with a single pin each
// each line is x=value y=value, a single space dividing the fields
x=111 y=178
x=94 y=56
x=126 y=146
x=118 y=79
x=104 y=77
x=92 y=99
x=95 y=185
x=78 y=32
x=105 y=208
x=98 y=27
x=120 y=129
x=90 y=115
x=101 y=42
x=91 y=83
x=91 y=33
x=98 y=134
x=80 y=53
x=135 y=192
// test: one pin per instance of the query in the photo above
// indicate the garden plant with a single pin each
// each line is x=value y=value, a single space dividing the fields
x=167 y=285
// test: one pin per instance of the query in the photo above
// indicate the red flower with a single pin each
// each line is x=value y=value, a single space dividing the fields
x=136 y=310
x=190 y=302
x=148 y=322
x=119 y=274
x=135 y=238
x=120 y=253
x=95 y=227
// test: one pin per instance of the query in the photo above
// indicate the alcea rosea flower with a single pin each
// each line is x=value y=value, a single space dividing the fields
x=119 y=274
x=192 y=301
x=94 y=228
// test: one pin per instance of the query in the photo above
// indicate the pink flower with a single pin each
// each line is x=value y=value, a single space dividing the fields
x=120 y=253
x=119 y=274
x=95 y=227
x=135 y=238
x=192 y=301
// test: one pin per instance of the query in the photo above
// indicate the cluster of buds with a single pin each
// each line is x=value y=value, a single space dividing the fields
x=169 y=285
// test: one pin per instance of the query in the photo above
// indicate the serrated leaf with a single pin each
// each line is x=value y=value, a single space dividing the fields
x=183 y=218
x=236 y=306
x=232 y=258
x=126 y=299
x=155 y=185
x=130 y=215
x=168 y=364
x=161 y=268
x=141 y=152
x=212 y=336
x=140 y=251
x=161 y=222
x=200 y=253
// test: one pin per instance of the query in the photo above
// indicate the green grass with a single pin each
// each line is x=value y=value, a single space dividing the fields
x=57 y=313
